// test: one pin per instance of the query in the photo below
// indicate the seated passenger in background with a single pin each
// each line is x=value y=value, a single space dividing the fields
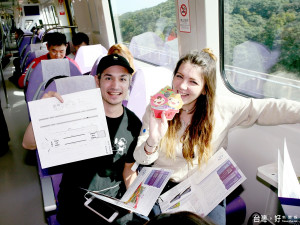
x=17 y=73
x=18 y=34
x=122 y=50
x=201 y=127
x=38 y=30
x=33 y=29
x=111 y=174
x=79 y=39
x=56 y=45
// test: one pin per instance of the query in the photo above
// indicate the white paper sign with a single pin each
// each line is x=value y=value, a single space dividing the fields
x=70 y=131
x=184 y=16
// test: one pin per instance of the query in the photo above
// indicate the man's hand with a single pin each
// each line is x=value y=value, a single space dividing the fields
x=53 y=94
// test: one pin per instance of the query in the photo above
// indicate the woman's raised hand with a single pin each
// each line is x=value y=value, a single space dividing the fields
x=157 y=128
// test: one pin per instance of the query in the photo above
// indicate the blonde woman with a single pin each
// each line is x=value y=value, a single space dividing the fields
x=201 y=127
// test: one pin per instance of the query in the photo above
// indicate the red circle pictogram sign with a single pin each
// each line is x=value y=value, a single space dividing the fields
x=183 y=10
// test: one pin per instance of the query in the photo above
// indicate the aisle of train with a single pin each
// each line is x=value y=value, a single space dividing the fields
x=20 y=192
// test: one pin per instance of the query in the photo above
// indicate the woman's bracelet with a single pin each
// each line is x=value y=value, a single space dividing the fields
x=149 y=145
x=147 y=152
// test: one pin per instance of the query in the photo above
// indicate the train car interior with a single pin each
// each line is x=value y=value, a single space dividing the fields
x=257 y=45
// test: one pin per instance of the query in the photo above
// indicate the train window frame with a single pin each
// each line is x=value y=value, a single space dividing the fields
x=274 y=86
x=165 y=57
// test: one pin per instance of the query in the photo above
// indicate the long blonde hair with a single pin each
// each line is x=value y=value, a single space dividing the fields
x=199 y=132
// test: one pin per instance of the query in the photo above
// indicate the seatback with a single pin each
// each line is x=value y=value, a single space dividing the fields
x=41 y=33
x=87 y=55
x=32 y=55
x=94 y=67
x=27 y=32
x=30 y=64
x=44 y=71
x=69 y=85
x=25 y=41
x=35 y=39
x=146 y=82
x=30 y=49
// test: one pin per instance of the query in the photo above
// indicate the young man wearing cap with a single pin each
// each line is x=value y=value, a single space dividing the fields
x=111 y=174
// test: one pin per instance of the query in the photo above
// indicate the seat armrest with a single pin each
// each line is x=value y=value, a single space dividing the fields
x=48 y=194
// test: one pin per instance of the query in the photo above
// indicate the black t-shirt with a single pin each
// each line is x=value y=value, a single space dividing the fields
x=80 y=174
x=123 y=139
x=113 y=124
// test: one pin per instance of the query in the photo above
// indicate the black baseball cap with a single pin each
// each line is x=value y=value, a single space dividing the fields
x=113 y=60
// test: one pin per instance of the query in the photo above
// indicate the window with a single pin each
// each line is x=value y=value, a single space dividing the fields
x=261 y=47
x=55 y=19
x=45 y=17
x=148 y=28
x=27 y=24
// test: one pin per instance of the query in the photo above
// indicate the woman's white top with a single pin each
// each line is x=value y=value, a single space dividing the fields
x=229 y=112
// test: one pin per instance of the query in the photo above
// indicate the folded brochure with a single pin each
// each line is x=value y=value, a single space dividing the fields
x=143 y=192
x=206 y=188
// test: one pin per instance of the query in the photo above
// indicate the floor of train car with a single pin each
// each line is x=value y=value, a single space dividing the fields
x=20 y=194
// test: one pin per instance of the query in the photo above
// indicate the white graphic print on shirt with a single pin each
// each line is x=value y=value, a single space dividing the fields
x=120 y=145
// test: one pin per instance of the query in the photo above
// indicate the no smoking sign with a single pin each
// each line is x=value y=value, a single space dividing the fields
x=183 y=10
x=184 y=16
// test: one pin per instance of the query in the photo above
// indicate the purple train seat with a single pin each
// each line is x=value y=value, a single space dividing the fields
x=87 y=55
x=24 y=42
x=41 y=33
x=29 y=56
x=136 y=101
x=32 y=40
x=72 y=84
x=50 y=181
x=44 y=71
x=236 y=211
x=27 y=32
x=94 y=67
